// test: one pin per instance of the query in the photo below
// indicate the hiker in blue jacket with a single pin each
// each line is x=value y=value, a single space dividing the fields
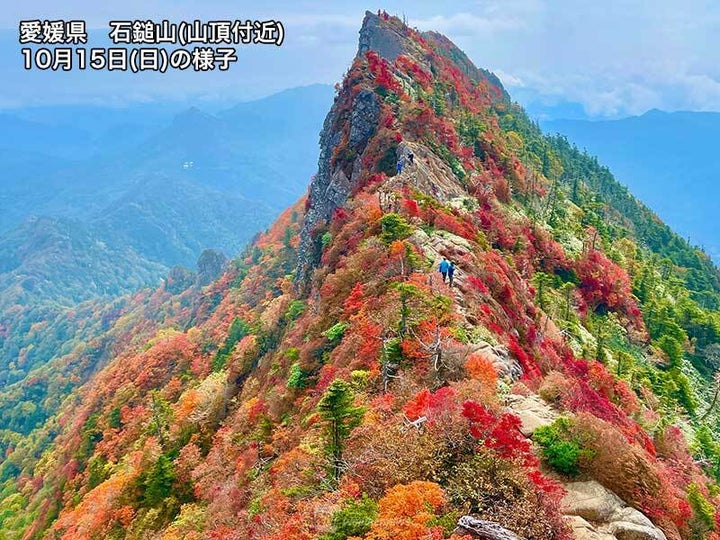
x=444 y=267
x=451 y=273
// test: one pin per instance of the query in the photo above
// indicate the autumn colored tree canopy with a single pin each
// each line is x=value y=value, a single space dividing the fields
x=330 y=385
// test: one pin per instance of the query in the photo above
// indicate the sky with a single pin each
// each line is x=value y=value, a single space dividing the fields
x=598 y=59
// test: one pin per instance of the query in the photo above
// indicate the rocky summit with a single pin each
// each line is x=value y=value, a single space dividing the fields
x=466 y=329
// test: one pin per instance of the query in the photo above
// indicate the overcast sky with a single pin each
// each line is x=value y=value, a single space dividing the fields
x=613 y=58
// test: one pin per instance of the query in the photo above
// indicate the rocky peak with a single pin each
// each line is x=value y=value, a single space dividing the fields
x=354 y=114
x=332 y=184
x=390 y=57
x=379 y=36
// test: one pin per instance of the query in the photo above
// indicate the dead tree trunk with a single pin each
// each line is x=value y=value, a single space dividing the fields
x=484 y=530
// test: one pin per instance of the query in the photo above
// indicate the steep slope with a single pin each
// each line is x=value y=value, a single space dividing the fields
x=667 y=159
x=331 y=385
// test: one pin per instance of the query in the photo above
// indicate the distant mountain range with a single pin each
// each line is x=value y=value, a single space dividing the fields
x=97 y=202
x=328 y=384
x=669 y=160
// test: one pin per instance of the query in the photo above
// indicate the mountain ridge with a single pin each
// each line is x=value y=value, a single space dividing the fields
x=331 y=384
x=100 y=228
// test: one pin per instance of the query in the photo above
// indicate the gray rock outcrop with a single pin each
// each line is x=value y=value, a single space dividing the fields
x=596 y=513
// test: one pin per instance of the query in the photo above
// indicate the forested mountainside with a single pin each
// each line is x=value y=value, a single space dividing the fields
x=644 y=152
x=112 y=212
x=331 y=385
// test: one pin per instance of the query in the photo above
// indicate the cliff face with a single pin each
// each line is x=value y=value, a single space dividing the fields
x=387 y=41
x=356 y=114
x=331 y=186
x=332 y=384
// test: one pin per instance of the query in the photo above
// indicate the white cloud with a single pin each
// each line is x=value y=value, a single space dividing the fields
x=613 y=94
x=485 y=18
x=509 y=80
x=614 y=56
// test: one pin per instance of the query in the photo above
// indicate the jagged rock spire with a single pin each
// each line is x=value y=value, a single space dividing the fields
x=381 y=38
x=331 y=186
x=355 y=115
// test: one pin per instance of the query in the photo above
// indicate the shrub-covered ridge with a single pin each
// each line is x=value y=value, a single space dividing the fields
x=331 y=385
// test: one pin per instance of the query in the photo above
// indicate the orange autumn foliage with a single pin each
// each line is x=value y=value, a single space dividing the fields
x=480 y=368
x=405 y=510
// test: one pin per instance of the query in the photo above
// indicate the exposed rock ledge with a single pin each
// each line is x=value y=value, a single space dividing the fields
x=598 y=514
x=532 y=411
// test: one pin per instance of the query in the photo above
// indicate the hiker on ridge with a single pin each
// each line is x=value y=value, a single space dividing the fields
x=444 y=267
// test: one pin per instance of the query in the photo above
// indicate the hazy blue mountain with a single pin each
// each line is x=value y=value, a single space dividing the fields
x=171 y=220
x=669 y=160
x=65 y=261
x=261 y=150
x=97 y=202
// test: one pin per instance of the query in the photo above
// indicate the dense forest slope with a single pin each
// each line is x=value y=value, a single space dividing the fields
x=644 y=152
x=111 y=214
x=331 y=385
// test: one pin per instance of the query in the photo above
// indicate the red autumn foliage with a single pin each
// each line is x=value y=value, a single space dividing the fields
x=477 y=283
x=454 y=225
x=411 y=208
x=495 y=229
x=406 y=65
x=354 y=302
x=530 y=367
x=606 y=286
x=259 y=453
x=582 y=398
x=502 y=433
x=428 y=404
x=382 y=73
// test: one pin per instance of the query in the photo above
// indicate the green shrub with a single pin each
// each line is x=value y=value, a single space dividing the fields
x=672 y=348
x=353 y=519
x=325 y=239
x=561 y=451
x=296 y=308
x=394 y=227
x=447 y=522
x=158 y=482
x=360 y=378
x=336 y=332
x=684 y=394
x=709 y=449
x=703 y=511
x=298 y=377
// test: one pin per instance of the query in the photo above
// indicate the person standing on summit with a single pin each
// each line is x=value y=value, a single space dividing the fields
x=444 y=267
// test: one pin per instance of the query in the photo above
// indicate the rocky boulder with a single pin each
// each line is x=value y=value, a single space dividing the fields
x=532 y=411
x=596 y=513
x=591 y=501
x=484 y=530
